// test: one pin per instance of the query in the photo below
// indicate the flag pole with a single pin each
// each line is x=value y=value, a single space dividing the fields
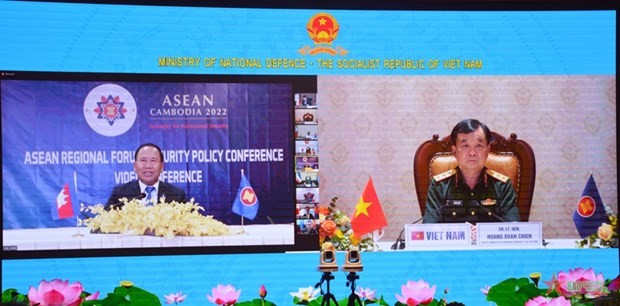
x=77 y=216
x=242 y=229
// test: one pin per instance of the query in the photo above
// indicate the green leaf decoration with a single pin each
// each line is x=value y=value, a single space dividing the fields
x=345 y=301
x=318 y=302
x=126 y=296
x=512 y=292
x=11 y=295
x=256 y=302
x=382 y=301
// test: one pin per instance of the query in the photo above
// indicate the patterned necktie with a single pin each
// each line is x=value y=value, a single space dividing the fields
x=149 y=190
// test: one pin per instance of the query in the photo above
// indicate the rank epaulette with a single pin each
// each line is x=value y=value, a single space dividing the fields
x=444 y=175
x=497 y=175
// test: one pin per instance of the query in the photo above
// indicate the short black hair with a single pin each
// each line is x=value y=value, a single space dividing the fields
x=148 y=144
x=467 y=126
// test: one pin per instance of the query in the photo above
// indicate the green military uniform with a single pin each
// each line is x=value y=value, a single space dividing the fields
x=494 y=191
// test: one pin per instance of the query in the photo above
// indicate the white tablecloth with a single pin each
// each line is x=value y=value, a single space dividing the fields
x=73 y=238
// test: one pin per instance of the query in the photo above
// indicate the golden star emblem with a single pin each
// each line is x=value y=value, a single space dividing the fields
x=322 y=21
x=362 y=207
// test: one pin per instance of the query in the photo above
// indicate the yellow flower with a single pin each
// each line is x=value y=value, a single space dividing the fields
x=339 y=233
x=605 y=231
x=354 y=239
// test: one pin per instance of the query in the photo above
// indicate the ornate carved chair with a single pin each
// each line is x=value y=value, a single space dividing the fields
x=510 y=156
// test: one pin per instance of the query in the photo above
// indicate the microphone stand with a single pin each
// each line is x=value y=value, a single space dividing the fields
x=400 y=243
x=490 y=212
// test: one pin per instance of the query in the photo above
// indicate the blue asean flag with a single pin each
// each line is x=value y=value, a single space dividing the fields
x=589 y=213
x=246 y=202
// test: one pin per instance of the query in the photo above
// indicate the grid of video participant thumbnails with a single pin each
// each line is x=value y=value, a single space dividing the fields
x=306 y=212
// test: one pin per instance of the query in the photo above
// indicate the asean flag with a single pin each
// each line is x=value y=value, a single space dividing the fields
x=589 y=213
x=246 y=202
x=368 y=215
x=63 y=207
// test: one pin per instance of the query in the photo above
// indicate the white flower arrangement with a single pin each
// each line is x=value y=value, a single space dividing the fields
x=162 y=219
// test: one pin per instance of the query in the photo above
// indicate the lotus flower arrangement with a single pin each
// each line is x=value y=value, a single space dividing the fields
x=335 y=227
x=224 y=295
x=366 y=296
x=60 y=293
x=415 y=293
x=164 y=219
x=606 y=236
x=576 y=287
x=306 y=295
x=175 y=298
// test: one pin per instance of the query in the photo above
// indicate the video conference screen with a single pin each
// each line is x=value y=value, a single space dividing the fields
x=306 y=104
x=69 y=139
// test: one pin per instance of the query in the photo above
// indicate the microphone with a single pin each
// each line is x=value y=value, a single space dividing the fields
x=121 y=204
x=490 y=212
x=399 y=244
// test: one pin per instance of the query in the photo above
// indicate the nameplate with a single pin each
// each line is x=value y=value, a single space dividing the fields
x=440 y=234
x=510 y=234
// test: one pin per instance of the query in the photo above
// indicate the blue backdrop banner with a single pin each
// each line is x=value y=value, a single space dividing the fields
x=84 y=133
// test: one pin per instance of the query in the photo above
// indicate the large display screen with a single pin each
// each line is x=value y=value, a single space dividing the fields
x=309 y=105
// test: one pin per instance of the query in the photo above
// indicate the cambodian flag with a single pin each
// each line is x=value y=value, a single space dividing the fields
x=63 y=208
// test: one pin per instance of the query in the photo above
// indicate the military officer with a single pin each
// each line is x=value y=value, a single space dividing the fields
x=470 y=192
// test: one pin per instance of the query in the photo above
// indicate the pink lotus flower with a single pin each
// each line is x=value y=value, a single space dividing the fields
x=416 y=293
x=224 y=295
x=56 y=293
x=485 y=289
x=580 y=282
x=175 y=298
x=262 y=291
x=92 y=297
x=365 y=294
x=614 y=285
x=542 y=301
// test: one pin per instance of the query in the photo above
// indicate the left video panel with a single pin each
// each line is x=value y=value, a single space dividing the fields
x=227 y=141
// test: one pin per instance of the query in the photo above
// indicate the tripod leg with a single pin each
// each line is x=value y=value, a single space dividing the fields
x=354 y=299
x=332 y=297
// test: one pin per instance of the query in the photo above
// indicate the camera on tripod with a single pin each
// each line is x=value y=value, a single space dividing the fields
x=353 y=262
x=327 y=262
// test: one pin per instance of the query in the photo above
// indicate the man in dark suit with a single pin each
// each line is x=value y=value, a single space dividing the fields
x=148 y=164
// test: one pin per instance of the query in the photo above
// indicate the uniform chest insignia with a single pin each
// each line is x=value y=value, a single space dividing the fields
x=498 y=176
x=488 y=202
x=444 y=175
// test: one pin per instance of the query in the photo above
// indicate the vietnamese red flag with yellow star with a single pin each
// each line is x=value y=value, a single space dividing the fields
x=368 y=215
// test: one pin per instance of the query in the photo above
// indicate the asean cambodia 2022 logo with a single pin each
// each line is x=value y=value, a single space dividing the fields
x=323 y=30
x=110 y=110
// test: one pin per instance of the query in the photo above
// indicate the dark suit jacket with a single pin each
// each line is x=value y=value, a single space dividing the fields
x=131 y=190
